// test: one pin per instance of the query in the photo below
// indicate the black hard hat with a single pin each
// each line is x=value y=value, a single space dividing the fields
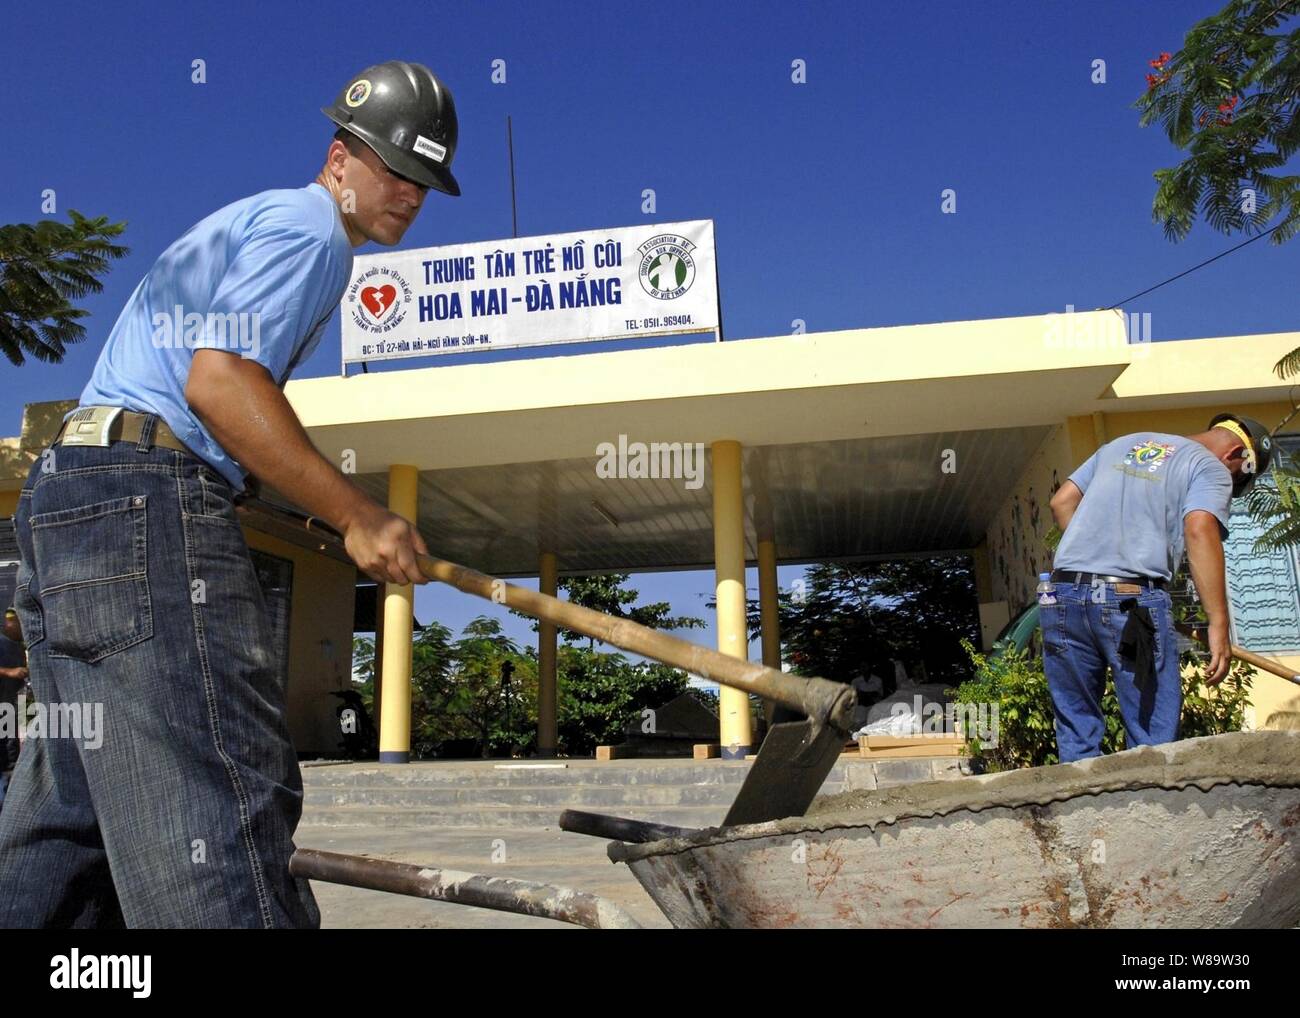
x=1259 y=451
x=407 y=116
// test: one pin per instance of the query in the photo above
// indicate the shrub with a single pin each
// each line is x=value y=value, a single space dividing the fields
x=1014 y=680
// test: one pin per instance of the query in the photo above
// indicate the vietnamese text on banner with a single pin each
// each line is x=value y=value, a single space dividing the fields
x=650 y=280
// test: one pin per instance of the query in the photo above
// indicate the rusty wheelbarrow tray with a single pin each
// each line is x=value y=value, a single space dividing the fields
x=1200 y=833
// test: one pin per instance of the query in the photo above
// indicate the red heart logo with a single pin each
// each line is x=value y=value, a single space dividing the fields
x=378 y=300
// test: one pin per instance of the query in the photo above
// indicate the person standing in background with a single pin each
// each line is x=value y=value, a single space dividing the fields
x=1126 y=515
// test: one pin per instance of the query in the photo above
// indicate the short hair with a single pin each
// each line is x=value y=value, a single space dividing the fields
x=353 y=143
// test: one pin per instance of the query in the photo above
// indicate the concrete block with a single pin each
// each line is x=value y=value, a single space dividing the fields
x=860 y=777
x=946 y=769
x=902 y=772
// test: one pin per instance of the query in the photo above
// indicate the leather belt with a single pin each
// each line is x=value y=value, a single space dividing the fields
x=128 y=426
x=1070 y=576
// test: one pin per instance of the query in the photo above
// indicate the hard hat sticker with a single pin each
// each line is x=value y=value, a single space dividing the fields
x=358 y=93
x=432 y=149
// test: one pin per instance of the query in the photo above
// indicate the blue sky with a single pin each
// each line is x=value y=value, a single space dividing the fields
x=825 y=196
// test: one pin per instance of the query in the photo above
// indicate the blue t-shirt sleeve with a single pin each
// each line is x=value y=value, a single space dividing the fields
x=1082 y=477
x=281 y=274
x=1210 y=489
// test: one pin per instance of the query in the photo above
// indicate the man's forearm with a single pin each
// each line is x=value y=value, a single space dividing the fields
x=1064 y=503
x=1062 y=515
x=1205 y=558
x=248 y=415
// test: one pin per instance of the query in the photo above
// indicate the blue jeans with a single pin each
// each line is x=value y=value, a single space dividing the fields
x=1081 y=636
x=136 y=592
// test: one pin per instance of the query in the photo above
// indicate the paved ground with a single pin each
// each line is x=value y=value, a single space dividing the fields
x=548 y=856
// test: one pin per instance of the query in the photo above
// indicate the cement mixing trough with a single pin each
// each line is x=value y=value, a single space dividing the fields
x=1200 y=833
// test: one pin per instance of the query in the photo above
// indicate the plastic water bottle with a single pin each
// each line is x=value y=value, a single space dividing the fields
x=1046 y=591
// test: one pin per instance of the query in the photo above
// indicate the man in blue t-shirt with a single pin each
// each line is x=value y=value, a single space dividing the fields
x=1126 y=516
x=136 y=592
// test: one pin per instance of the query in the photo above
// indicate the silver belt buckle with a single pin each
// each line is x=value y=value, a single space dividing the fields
x=90 y=425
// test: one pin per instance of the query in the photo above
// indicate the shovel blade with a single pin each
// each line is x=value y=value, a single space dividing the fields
x=788 y=772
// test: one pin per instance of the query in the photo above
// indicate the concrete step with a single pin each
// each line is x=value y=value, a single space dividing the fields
x=474 y=816
x=596 y=797
x=484 y=775
x=850 y=770
x=478 y=793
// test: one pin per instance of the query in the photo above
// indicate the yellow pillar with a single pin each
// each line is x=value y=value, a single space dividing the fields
x=1099 y=428
x=729 y=563
x=399 y=604
x=767 y=608
x=1081 y=433
x=547 y=732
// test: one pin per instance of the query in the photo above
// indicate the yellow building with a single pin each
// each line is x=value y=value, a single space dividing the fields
x=869 y=443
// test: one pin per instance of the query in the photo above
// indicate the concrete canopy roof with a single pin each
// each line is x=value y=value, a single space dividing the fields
x=820 y=500
x=844 y=438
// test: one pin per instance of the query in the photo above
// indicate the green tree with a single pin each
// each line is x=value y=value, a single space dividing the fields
x=601 y=694
x=840 y=620
x=482 y=688
x=457 y=693
x=608 y=593
x=431 y=687
x=489 y=670
x=43 y=268
x=1230 y=98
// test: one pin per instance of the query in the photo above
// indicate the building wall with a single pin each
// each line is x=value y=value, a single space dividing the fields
x=1015 y=539
x=1016 y=550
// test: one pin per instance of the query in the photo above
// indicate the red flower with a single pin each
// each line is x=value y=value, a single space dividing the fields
x=1229 y=106
x=1160 y=61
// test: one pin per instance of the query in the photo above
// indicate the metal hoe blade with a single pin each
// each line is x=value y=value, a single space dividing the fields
x=788 y=772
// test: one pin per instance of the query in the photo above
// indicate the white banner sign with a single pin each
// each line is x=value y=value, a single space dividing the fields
x=566 y=288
